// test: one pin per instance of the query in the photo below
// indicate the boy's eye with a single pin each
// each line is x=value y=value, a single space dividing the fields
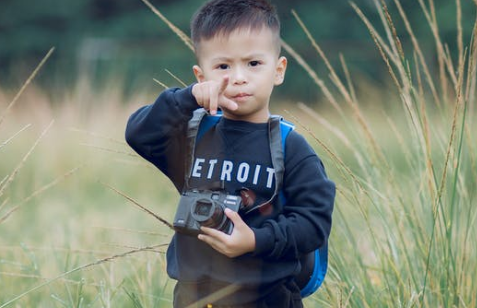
x=254 y=63
x=223 y=66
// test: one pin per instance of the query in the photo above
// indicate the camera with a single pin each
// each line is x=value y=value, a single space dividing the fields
x=206 y=208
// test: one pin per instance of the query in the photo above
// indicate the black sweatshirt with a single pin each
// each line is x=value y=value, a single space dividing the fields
x=237 y=153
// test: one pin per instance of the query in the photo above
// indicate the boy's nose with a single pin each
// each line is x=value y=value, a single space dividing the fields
x=238 y=77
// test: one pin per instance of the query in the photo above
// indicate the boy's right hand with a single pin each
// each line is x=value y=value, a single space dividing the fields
x=211 y=95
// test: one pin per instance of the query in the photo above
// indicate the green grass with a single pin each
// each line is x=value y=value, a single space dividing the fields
x=403 y=157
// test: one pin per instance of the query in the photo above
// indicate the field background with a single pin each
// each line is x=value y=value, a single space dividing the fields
x=401 y=149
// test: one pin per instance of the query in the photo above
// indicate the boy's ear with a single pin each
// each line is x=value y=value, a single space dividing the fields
x=280 y=70
x=199 y=75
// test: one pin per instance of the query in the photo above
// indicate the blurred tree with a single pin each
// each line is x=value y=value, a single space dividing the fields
x=124 y=40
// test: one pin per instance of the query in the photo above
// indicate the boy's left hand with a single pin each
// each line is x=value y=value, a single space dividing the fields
x=242 y=239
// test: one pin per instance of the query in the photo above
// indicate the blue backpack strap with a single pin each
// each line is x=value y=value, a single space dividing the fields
x=319 y=260
x=207 y=123
x=285 y=128
x=315 y=263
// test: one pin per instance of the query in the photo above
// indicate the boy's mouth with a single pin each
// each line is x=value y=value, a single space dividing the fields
x=241 y=96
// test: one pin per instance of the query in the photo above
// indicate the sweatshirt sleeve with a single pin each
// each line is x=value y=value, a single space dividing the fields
x=157 y=131
x=305 y=223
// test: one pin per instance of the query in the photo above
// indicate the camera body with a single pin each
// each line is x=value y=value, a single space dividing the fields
x=206 y=208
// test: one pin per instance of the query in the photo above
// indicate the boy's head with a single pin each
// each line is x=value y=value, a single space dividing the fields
x=239 y=41
x=222 y=17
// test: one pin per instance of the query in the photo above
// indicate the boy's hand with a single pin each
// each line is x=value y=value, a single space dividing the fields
x=210 y=95
x=242 y=239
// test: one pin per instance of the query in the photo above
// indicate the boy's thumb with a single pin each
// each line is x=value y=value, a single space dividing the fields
x=233 y=216
x=228 y=103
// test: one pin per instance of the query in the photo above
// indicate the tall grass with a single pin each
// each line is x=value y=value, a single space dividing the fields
x=405 y=210
x=67 y=240
x=72 y=234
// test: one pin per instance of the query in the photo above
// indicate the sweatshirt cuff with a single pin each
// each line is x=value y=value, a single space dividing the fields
x=263 y=240
x=185 y=95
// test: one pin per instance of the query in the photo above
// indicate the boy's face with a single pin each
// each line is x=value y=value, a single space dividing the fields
x=250 y=59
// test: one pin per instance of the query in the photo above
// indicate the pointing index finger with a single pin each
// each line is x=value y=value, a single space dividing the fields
x=224 y=84
x=226 y=102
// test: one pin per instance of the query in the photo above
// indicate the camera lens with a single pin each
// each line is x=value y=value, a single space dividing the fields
x=202 y=208
x=208 y=213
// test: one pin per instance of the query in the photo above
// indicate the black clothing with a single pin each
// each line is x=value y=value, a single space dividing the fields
x=237 y=153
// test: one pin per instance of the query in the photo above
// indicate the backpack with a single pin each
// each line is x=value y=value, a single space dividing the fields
x=314 y=264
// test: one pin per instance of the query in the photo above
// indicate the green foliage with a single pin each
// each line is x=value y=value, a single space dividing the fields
x=98 y=39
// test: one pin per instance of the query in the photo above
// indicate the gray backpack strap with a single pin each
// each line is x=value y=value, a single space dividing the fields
x=192 y=131
x=278 y=162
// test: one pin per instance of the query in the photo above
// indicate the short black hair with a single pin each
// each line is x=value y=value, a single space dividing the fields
x=221 y=17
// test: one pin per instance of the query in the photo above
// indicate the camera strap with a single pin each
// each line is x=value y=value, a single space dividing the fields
x=192 y=132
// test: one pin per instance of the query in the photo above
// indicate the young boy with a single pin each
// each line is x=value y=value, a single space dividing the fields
x=237 y=45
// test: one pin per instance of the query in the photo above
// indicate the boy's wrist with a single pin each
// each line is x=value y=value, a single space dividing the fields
x=262 y=240
x=193 y=93
x=185 y=100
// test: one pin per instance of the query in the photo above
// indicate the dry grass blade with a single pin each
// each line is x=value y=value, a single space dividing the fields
x=400 y=139
x=96 y=135
x=394 y=35
x=471 y=69
x=176 y=78
x=25 y=85
x=230 y=289
x=168 y=224
x=438 y=201
x=24 y=247
x=334 y=76
x=382 y=48
x=2 y=205
x=14 y=135
x=184 y=37
x=135 y=162
x=39 y=191
x=22 y=162
x=348 y=78
x=457 y=106
x=38 y=277
x=132 y=247
x=460 y=36
x=80 y=268
x=130 y=231
x=419 y=52
x=348 y=298
x=342 y=89
x=109 y=150
x=326 y=124
x=8 y=214
x=394 y=58
x=160 y=83
x=335 y=157
x=406 y=86
x=443 y=58
x=319 y=82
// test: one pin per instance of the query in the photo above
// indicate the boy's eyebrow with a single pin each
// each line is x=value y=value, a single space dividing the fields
x=220 y=59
